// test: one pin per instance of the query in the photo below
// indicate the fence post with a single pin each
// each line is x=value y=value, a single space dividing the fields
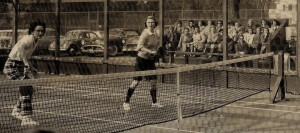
x=179 y=111
x=171 y=57
x=277 y=87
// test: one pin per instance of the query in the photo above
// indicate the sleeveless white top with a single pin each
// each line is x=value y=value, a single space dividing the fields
x=23 y=48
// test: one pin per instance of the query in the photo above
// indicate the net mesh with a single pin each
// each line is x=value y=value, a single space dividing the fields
x=94 y=103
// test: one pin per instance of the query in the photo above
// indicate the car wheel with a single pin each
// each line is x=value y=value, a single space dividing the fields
x=72 y=51
x=52 y=53
x=133 y=53
x=113 y=50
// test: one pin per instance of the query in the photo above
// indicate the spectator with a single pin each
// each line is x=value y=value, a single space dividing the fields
x=179 y=28
x=264 y=24
x=214 y=40
x=172 y=39
x=241 y=46
x=219 y=26
x=199 y=40
x=185 y=39
x=201 y=25
x=265 y=41
x=207 y=28
x=239 y=29
x=191 y=26
x=248 y=37
x=232 y=37
x=256 y=45
x=251 y=25
x=274 y=26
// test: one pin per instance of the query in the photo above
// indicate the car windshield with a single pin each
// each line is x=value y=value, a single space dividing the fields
x=71 y=35
x=5 y=33
x=131 y=33
x=49 y=32
x=116 y=34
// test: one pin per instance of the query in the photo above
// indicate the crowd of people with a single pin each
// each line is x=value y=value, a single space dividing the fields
x=207 y=37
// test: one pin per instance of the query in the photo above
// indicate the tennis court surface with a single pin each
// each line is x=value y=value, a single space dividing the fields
x=218 y=97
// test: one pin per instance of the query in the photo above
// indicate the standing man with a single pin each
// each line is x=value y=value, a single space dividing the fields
x=147 y=47
x=18 y=66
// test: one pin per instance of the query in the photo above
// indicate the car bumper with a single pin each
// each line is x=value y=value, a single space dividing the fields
x=61 y=49
x=91 y=51
x=129 y=47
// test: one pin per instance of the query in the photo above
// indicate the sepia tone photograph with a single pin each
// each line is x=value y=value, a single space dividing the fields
x=149 y=66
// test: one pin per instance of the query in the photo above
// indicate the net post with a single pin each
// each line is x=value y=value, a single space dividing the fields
x=179 y=111
x=277 y=88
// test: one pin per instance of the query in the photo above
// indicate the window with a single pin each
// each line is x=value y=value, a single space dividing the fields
x=290 y=7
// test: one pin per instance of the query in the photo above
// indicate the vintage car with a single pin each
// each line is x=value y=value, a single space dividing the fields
x=5 y=41
x=79 y=41
x=121 y=40
x=114 y=45
x=130 y=40
x=72 y=42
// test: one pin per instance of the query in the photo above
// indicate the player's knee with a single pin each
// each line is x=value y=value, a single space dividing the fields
x=153 y=84
x=134 y=84
x=26 y=90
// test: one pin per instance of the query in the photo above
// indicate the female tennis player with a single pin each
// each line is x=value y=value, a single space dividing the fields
x=147 y=47
x=17 y=67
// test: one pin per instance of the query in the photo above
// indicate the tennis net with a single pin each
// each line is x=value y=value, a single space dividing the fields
x=94 y=103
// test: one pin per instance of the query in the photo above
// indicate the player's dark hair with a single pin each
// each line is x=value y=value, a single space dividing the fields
x=35 y=24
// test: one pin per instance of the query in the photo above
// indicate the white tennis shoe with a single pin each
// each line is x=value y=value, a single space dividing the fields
x=126 y=106
x=16 y=113
x=26 y=120
x=157 y=105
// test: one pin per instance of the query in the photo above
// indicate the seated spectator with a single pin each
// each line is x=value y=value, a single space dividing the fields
x=250 y=25
x=201 y=25
x=191 y=26
x=275 y=25
x=179 y=28
x=214 y=40
x=238 y=28
x=185 y=39
x=241 y=46
x=232 y=37
x=248 y=37
x=172 y=39
x=219 y=26
x=199 y=40
x=265 y=41
x=256 y=45
x=207 y=28
x=264 y=24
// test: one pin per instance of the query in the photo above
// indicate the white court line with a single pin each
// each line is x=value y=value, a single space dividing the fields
x=174 y=129
x=119 y=122
x=272 y=110
x=269 y=104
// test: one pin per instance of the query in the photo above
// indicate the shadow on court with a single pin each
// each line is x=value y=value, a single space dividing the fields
x=253 y=114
